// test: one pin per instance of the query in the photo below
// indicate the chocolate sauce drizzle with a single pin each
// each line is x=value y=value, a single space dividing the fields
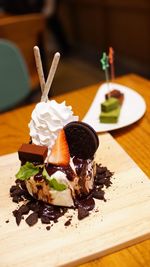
x=35 y=209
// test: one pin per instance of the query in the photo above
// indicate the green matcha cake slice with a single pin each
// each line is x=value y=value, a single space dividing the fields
x=111 y=116
x=109 y=104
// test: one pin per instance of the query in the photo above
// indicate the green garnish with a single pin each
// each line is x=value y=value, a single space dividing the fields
x=53 y=182
x=45 y=174
x=56 y=185
x=26 y=171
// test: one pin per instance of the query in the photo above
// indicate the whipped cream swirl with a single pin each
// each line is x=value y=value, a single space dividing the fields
x=47 y=119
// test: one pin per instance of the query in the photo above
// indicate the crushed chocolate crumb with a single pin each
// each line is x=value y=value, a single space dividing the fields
x=18 y=216
x=45 y=220
x=102 y=178
x=24 y=209
x=97 y=210
x=68 y=222
x=48 y=213
x=82 y=213
x=32 y=219
x=99 y=194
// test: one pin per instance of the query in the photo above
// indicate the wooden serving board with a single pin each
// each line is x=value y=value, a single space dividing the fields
x=122 y=220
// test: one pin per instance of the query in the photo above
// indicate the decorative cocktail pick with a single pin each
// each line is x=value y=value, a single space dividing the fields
x=105 y=66
x=111 y=62
x=39 y=67
x=50 y=77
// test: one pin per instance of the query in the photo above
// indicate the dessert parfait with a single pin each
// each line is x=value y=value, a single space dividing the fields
x=58 y=170
x=58 y=164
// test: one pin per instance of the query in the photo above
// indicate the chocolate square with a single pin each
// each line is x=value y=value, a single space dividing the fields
x=32 y=153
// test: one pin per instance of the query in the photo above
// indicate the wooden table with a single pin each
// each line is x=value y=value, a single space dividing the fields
x=135 y=139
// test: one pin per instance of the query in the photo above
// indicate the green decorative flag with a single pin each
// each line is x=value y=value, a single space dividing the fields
x=104 y=61
x=105 y=65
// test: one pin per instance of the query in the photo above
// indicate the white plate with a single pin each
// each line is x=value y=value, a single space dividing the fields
x=133 y=108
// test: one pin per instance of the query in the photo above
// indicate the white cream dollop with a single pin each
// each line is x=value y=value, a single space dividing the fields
x=47 y=119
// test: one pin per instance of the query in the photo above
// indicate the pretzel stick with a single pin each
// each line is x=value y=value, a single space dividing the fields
x=50 y=77
x=39 y=67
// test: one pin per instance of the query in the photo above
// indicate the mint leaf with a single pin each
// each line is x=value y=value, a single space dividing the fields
x=56 y=185
x=45 y=174
x=26 y=171
x=53 y=182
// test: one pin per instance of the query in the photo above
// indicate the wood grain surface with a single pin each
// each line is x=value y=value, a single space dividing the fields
x=135 y=139
x=117 y=224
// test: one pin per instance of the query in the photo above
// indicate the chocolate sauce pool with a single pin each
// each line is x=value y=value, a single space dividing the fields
x=35 y=209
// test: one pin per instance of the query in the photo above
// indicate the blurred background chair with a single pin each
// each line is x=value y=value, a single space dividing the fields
x=25 y=31
x=29 y=26
x=14 y=77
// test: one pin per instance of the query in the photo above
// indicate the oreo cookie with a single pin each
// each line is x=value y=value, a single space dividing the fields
x=82 y=140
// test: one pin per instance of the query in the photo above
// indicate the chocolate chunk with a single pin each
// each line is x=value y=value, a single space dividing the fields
x=45 y=219
x=34 y=205
x=22 y=184
x=100 y=169
x=13 y=188
x=98 y=194
x=48 y=228
x=87 y=203
x=103 y=176
x=17 y=199
x=17 y=192
x=82 y=140
x=116 y=94
x=108 y=173
x=68 y=222
x=32 y=153
x=32 y=219
x=18 y=216
x=108 y=183
x=82 y=213
x=24 y=209
x=50 y=211
x=100 y=180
